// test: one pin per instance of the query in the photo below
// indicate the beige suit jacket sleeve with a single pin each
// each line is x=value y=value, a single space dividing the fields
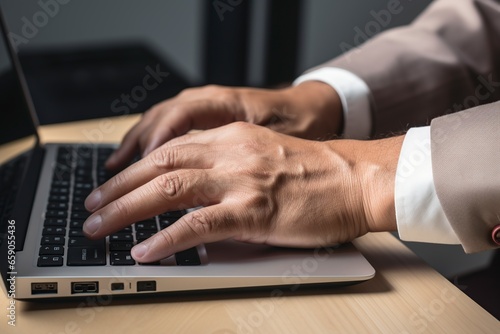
x=447 y=60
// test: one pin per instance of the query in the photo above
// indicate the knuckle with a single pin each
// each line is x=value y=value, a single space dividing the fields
x=241 y=126
x=177 y=109
x=219 y=92
x=169 y=185
x=186 y=91
x=200 y=224
x=119 y=181
x=163 y=158
x=212 y=88
x=122 y=207
x=166 y=237
x=204 y=224
x=153 y=111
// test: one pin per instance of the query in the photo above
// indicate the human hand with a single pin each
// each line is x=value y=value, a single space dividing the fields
x=256 y=186
x=310 y=110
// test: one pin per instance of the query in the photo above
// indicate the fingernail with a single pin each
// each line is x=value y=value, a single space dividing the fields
x=139 y=251
x=92 y=225
x=93 y=200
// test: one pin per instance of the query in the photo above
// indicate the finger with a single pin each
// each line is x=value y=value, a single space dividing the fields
x=209 y=224
x=180 y=119
x=128 y=149
x=161 y=161
x=168 y=192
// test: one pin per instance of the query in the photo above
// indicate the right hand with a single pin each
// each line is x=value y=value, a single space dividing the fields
x=255 y=185
x=310 y=110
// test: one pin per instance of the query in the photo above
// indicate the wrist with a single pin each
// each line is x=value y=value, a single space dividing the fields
x=323 y=106
x=377 y=173
x=371 y=180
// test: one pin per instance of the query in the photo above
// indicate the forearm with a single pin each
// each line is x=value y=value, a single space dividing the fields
x=445 y=61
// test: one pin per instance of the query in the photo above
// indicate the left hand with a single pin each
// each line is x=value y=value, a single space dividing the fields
x=255 y=185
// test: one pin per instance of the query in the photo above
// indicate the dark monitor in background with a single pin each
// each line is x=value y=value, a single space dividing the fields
x=94 y=81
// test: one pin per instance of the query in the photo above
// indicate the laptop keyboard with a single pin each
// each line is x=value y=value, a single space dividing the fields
x=77 y=171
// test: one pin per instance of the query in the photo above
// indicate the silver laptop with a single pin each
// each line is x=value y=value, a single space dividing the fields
x=43 y=253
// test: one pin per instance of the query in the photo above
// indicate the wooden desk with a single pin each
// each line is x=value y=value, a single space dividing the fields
x=406 y=295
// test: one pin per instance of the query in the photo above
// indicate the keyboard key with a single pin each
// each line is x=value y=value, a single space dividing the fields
x=84 y=172
x=86 y=256
x=102 y=180
x=60 y=184
x=84 y=186
x=51 y=250
x=173 y=214
x=53 y=240
x=84 y=163
x=57 y=206
x=79 y=199
x=104 y=152
x=78 y=208
x=76 y=224
x=121 y=259
x=146 y=226
x=81 y=193
x=64 y=175
x=157 y=263
x=59 y=191
x=76 y=233
x=83 y=179
x=64 y=149
x=85 y=152
x=50 y=261
x=188 y=257
x=143 y=235
x=127 y=229
x=120 y=246
x=121 y=237
x=79 y=215
x=167 y=222
x=58 y=198
x=56 y=214
x=54 y=230
x=61 y=222
x=84 y=242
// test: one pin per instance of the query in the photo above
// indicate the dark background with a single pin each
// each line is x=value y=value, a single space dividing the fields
x=95 y=50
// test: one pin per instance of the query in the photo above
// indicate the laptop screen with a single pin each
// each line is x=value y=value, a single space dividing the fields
x=17 y=131
x=15 y=119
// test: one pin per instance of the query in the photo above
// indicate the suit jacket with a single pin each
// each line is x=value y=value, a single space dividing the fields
x=447 y=60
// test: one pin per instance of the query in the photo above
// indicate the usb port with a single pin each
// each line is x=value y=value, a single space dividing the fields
x=43 y=288
x=146 y=286
x=84 y=287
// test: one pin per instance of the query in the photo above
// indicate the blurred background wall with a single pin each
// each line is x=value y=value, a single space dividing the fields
x=193 y=35
x=177 y=28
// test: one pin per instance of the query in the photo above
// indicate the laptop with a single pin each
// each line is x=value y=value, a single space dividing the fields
x=43 y=253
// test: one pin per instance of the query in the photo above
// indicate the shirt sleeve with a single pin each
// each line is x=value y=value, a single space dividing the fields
x=419 y=214
x=354 y=95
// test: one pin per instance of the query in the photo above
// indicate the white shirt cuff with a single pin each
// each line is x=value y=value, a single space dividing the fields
x=354 y=95
x=419 y=214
